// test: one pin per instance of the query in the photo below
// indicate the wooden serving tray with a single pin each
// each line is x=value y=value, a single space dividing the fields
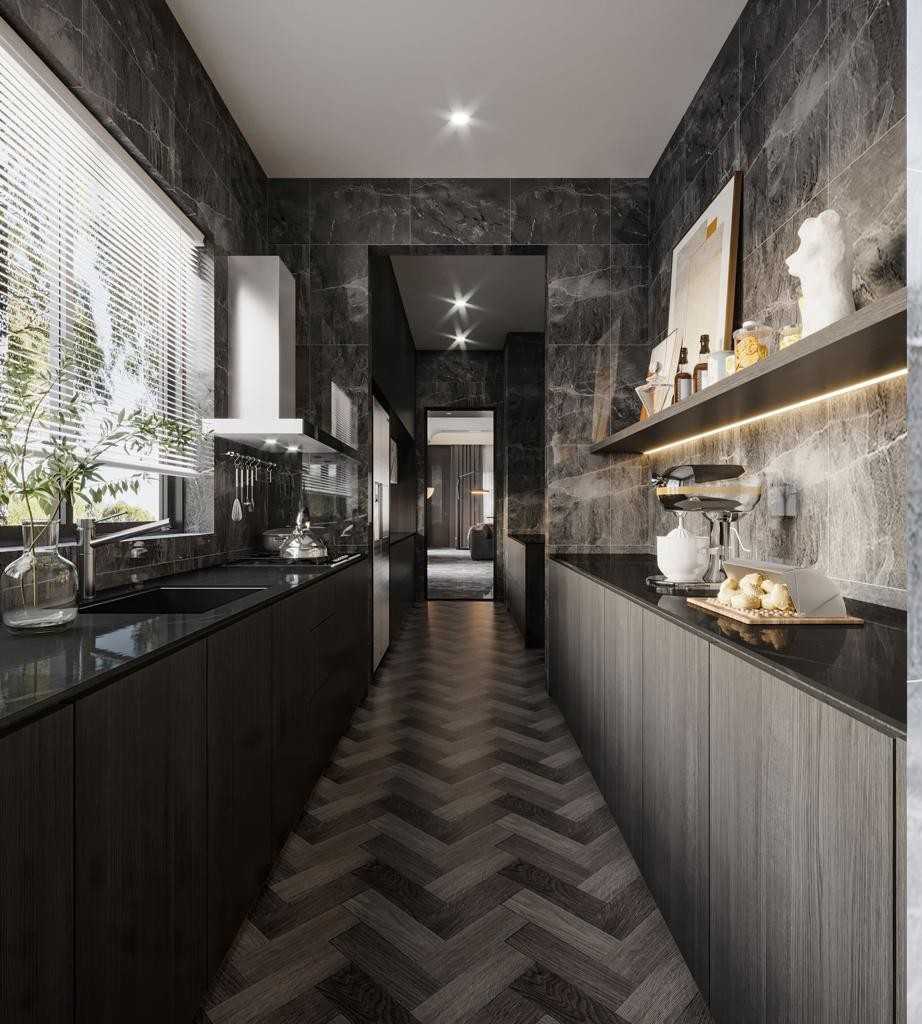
x=766 y=618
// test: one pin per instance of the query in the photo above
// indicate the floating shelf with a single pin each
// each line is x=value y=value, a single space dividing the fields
x=868 y=344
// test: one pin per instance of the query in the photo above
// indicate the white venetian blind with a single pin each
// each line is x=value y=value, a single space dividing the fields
x=100 y=273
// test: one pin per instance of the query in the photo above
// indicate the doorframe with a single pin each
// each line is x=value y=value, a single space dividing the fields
x=456 y=408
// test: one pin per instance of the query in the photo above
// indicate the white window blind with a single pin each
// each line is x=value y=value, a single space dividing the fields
x=100 y=273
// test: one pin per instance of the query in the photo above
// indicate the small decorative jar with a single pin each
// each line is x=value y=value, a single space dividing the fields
x=751 y=343
x=38 y=591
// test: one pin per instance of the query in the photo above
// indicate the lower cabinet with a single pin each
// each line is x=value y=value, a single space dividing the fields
x=765 y=821
x=37 y=872
x=240 y=847
x=802 y=856
x=140 y=859
x=675 y=784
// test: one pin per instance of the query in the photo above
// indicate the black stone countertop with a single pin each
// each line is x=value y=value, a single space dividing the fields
x=41 y=673
x=860 y=669
x=527 y=538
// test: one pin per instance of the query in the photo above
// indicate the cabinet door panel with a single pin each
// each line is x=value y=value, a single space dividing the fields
x=140 y=845
x=622 y=718
x=675 y=784
x=239 y=774
x=295 y=682
x=555 y=606
x=37 y=872
x=589 y=655
x=801 y=856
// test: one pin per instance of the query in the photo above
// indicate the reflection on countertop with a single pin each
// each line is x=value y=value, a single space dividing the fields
x=861 y=669
x=38 y=673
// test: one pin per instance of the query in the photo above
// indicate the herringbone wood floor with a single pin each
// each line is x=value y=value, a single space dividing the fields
x=456 y=863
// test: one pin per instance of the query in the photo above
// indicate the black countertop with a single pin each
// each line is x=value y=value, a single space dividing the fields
x=41 y=673
x=527 y=538
x=860 y=669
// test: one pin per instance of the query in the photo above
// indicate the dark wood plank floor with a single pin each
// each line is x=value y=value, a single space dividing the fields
x=456 y=863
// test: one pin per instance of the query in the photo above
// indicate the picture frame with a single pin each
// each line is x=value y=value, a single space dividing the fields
x=703 y=285
x=661 y=371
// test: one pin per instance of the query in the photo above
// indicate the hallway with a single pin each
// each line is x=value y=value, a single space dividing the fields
x=456 y=862
x=452 y=575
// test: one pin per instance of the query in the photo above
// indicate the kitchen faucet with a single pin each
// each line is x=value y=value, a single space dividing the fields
x=86 y=555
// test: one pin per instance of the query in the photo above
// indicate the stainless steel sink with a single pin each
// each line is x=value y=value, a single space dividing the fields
x=171 y=600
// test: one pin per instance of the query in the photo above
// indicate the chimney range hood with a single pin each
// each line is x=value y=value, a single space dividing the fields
x=261 y=371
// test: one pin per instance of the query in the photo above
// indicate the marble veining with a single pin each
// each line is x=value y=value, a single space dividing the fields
x=369 y=210
x=523 y=417
x=472 y=211
x=561 y=210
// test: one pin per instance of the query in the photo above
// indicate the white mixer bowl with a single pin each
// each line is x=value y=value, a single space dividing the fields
x=682 y=557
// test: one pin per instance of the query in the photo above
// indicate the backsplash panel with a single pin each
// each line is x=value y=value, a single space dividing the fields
x=821 y=124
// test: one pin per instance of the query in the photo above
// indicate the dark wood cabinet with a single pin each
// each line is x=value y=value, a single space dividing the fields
x=296 y=680
x=37 y=872
x=140 y=864
x=675 y=784
x=621 y=776
x=240 y=846
x=523 y=565
x=802 y=856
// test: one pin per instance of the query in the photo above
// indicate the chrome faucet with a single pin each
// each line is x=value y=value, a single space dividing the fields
x=86 y=555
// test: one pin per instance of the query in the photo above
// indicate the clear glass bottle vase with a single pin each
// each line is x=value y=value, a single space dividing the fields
x=38 y=591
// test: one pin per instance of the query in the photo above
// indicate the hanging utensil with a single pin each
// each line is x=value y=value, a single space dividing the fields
x=249 y=501
x=237 y=509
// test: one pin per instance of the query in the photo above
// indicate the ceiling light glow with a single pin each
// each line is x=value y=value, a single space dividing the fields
x=459 y=119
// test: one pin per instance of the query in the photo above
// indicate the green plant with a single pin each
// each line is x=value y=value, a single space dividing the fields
x=46 y=457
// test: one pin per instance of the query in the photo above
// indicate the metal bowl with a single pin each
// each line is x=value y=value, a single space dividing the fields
x=272 y=540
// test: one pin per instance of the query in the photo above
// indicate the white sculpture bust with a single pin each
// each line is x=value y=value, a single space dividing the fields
x=823 y=262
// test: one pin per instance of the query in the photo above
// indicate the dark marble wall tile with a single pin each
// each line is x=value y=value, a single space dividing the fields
x=629 y=271
x=630 y=210
x=766 y=27
x=339 y=295
x=667 y=181
x=714 y=109
x=658 y=306
x=579 y=513
x=560 y=210
x=523 y=417
x=464 y=211
x=578 y=393
x=578 y=294
x=792 y=163
x=370 y=210
x=289 y=209
x=52 y=27
x=867 y=75
x=871 y=195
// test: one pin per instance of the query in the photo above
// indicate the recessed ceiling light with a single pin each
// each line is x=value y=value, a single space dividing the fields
x=292 y=448
x=272 y=440
x=459 y=119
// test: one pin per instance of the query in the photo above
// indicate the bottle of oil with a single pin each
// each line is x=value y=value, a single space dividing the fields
x=700 y=372
x=682 y=385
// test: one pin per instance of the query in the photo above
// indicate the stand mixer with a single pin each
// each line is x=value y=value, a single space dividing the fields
x=722 y=493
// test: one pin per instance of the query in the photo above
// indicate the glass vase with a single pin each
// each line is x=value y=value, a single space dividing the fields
x=38 y=591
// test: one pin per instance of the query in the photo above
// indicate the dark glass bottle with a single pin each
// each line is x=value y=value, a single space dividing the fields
x=682 y=387
x=700 y=372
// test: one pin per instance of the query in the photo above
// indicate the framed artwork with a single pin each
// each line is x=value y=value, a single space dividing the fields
x=661 y=371
x=704 y=273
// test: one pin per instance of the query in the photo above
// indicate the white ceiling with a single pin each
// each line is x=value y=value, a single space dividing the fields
x=504 y=293
x=361 y=88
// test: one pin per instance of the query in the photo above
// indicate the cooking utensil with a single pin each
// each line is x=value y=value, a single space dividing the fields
x=249 y=488
x=301 y=543
x=237 y=508
x=272 y=540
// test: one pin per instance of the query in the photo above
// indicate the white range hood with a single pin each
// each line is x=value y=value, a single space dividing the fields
x=261 y=371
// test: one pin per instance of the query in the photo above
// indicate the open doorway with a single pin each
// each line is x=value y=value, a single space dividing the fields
x=460 y=505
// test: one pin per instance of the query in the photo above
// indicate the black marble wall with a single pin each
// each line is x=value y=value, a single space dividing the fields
x=594 y=232
x=808 y=100
x=523 y=435
x=458 y=380
x=131 y=65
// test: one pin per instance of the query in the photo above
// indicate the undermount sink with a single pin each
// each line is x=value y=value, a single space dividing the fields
x=171 y=600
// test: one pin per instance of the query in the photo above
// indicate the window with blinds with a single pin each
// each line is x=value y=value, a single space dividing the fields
x=101 y=275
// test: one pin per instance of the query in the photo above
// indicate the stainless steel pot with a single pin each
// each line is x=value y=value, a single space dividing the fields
x=272 y=540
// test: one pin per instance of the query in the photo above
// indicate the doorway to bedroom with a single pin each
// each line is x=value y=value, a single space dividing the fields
x=460 y=505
